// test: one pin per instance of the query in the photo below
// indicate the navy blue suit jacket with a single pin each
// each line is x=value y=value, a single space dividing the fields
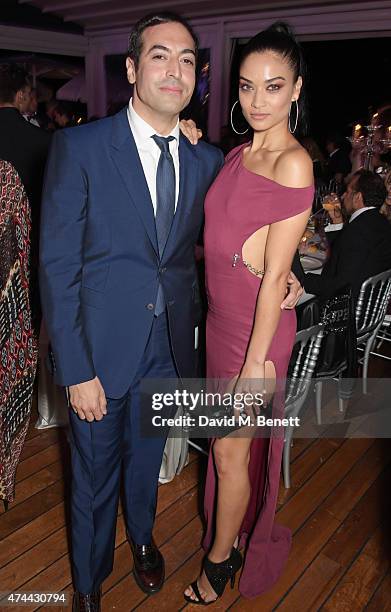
x=99 y=263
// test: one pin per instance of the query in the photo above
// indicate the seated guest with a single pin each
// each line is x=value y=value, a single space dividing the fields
x=338 y=164
x=361 y=247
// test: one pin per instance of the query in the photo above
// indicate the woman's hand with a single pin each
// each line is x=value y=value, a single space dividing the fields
x=251 y=388
x=190 y=130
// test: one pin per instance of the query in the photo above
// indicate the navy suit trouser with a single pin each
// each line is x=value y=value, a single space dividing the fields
x=104 y=450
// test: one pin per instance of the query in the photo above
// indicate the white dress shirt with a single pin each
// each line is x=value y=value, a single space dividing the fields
x=149 y=151
x=31 y=119
x=359 y=212
x=333 y=227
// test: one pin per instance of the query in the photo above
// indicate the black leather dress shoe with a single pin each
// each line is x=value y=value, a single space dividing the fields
x=86 y=603
x=148 y=566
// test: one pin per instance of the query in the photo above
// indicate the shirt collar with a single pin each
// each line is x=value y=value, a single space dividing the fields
x=359 y=211
x=142 y=131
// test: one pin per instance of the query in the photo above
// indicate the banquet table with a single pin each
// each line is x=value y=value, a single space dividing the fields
x=310 y=264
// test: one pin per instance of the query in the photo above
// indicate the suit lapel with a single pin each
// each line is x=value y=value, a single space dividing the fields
x=127 y=161
x=188 y=182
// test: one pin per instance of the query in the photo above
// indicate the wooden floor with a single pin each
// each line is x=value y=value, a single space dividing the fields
x=338 y=509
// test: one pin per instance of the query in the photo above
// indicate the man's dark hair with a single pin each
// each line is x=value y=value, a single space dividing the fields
x=63 y=107
x=335 y=138
x=13 y=78
x=136 y=37
x=372 y=188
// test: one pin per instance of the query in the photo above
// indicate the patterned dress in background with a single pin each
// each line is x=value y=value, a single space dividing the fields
x=18 y=346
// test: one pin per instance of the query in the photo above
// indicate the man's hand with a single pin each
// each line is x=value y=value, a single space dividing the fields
x=88 y=400
x=336 y=214
x=294 y=292
x=332 y=204
x=190 y=130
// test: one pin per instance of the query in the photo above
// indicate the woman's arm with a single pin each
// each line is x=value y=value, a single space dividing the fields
x=277 y=267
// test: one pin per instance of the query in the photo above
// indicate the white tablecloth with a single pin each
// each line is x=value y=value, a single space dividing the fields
x=307 y=296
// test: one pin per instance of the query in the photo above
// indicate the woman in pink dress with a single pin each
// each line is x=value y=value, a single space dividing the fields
x=255 y=214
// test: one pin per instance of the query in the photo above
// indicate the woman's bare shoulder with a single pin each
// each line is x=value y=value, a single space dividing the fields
x=294 y=167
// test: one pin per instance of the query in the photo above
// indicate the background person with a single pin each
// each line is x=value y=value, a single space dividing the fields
x=25 y=146
x=361 y=247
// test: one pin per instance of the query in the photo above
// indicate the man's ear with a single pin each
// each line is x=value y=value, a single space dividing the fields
x=19 y=98
x=130 y=70
x=358 y=200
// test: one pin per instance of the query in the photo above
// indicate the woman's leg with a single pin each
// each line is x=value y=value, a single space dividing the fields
x=231 y=456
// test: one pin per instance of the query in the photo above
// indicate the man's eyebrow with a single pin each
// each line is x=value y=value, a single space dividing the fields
x=167 y=50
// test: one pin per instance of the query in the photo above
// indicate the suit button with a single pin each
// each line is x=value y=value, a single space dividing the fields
x=150 y=306
x=163 y=270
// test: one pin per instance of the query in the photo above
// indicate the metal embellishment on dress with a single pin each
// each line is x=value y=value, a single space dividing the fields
x=253 y=270
x=235 y=259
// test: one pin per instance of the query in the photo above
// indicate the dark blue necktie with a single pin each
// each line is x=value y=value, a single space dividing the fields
x=165 y=203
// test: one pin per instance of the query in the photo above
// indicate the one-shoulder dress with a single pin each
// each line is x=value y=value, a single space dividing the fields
x=238 y=203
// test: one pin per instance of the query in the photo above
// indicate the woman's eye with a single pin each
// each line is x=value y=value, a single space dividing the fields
x=244 y=87
x=274 y=87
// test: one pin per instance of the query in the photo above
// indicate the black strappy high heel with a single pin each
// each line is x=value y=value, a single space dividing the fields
x=218 y=575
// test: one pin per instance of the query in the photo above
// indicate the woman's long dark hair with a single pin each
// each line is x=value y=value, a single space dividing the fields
x=280 y=39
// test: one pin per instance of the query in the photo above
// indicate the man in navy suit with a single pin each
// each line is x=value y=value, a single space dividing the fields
x=122 y=209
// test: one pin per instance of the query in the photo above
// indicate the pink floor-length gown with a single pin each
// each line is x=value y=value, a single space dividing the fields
x=238 y=203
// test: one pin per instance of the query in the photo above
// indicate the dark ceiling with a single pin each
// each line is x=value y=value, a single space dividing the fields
x=95 y=15
x=25 y=15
